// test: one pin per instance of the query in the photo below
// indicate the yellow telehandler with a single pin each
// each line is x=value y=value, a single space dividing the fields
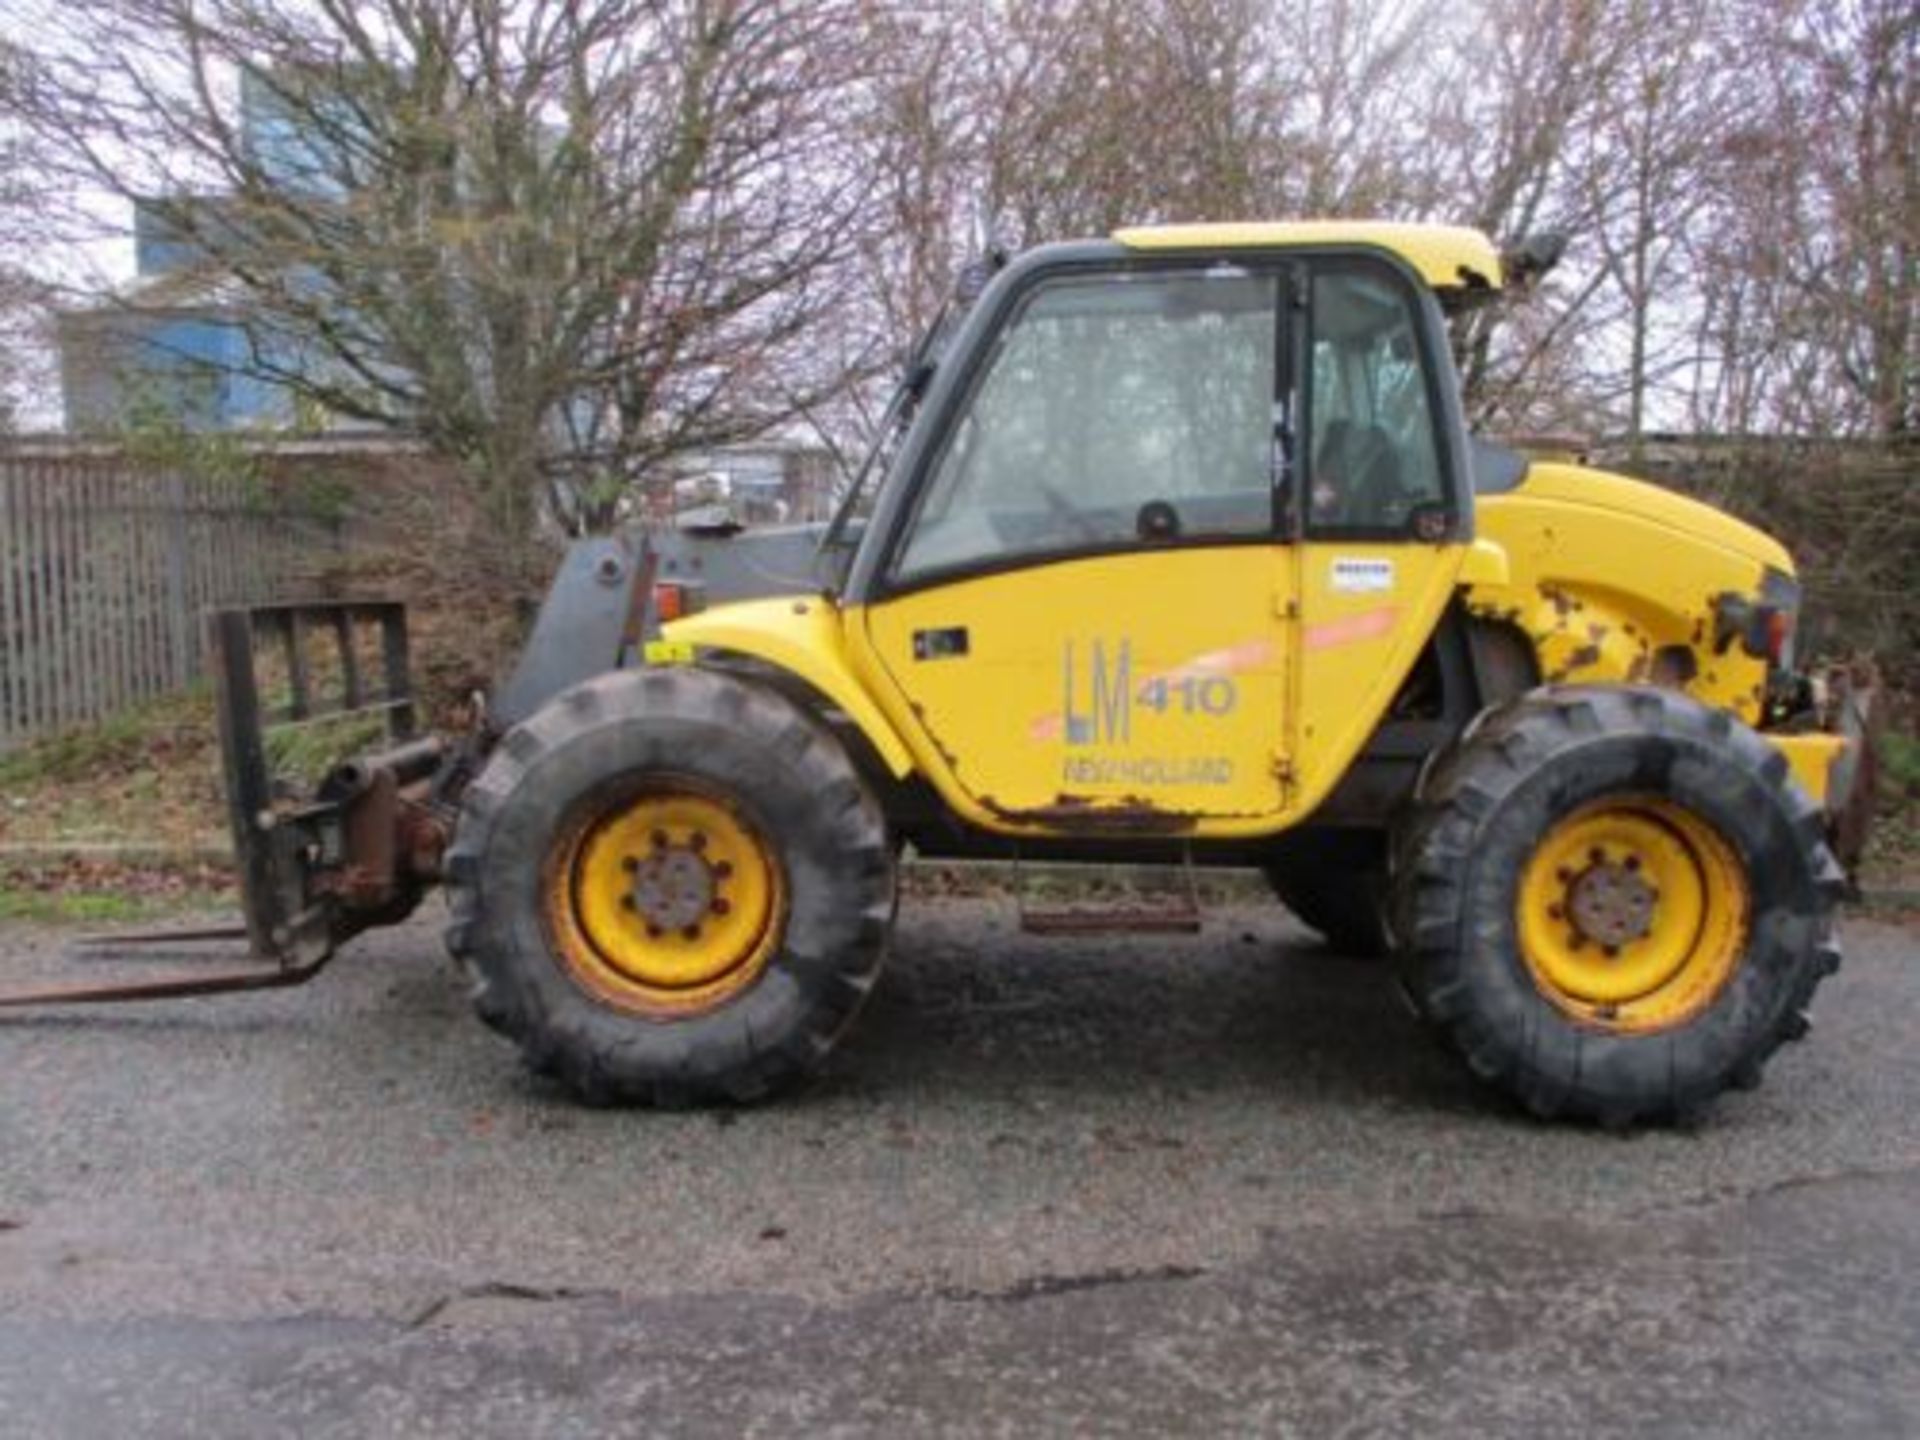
x=1176 y=550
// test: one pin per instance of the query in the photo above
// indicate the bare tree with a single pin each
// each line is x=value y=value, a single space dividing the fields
x=1098 y=114
x=1514 y=88
x=1811 y=290
x=23 y=293
x=1353 y=80
x=558 y=241
x=1643 y=165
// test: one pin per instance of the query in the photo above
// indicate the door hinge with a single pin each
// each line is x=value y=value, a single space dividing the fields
x=1283 y=774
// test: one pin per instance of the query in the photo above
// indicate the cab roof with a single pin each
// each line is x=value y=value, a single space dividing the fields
x=1447 y=257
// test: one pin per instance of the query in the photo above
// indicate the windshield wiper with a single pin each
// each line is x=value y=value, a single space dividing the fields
x=894 y=421
x=905 y=401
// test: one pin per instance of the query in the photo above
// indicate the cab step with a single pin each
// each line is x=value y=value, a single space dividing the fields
x=1174 y=912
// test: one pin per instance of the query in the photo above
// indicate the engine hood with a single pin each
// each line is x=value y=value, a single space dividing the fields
x=1602 y=490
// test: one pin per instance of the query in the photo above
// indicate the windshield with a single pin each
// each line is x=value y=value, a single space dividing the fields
x=1113 y=407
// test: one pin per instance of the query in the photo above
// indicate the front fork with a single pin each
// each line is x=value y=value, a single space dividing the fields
x=314 y=869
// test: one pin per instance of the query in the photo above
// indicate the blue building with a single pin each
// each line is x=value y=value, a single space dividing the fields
x=180 y=341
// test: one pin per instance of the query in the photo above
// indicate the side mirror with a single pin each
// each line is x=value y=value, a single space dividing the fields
x=1531 y=257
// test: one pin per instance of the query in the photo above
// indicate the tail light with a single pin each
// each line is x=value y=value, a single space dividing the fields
x=1779 y=640
x=673 y=599
x=1764 y=626
x=1780 y=614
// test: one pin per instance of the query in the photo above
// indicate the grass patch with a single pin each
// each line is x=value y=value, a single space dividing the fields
x=150 y=775
x=1892 y=861
x=95 y=909
x=166 y=727
x=303 y=754
x=104 y=892
x=1900 y=759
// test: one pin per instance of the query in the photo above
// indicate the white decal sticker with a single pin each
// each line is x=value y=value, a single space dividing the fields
x=1358 y=576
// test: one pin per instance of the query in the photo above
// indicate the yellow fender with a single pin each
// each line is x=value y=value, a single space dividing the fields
x=1486 y=563
x=800 y=634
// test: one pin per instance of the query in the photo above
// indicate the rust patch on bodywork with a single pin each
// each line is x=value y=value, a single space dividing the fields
x=933 y=738
x=1126 y=815
x=1579 y=659
x=1563 y=603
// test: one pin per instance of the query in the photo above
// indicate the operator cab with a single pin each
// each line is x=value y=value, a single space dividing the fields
x=1158 y=488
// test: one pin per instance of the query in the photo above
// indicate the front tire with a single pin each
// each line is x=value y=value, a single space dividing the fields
x=670 y=887
x=1614 y=903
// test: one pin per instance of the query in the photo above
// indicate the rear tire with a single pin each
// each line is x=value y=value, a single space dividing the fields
x=593 y=828
x=1346 y=903
x=1614 y=903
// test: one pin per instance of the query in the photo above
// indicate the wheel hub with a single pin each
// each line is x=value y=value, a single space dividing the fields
x=1610 y=904
x=674 y=888
x=1632 y=913
x=667 y=901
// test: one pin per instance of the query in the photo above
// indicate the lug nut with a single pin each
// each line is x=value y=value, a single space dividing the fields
x=629 y=863
x=1632 y=862
x=722 y=870
x=627 y=901
x=659 y=839
x=1597 y=855
x=654 y=932
x=692 y=932
x=698 y=840
x=1612 y=952
x=1554 y=912
x=1563 y=874
x=720 y=907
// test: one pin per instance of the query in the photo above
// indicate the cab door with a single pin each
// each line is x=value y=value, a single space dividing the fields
x=1086 y=619
x=1385 y=516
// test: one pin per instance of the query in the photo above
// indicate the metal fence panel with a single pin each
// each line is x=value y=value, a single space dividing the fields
x=106 y=568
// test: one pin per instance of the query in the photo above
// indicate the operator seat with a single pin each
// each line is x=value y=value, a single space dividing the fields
x=1356 y=476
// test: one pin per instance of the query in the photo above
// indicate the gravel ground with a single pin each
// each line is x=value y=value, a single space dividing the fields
x=1099 y=1184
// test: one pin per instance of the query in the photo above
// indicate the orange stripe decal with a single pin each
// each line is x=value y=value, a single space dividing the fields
x=1350 y=629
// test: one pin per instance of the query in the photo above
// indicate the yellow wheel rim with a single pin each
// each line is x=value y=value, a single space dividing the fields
x=1633 y=914
x=669 y=902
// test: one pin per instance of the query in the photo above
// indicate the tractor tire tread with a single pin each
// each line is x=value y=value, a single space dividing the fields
x=771 y=1036
x=1459 y=960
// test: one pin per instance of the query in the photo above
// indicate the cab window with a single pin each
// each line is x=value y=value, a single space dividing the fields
x=1374 y=461
x=1115 y=411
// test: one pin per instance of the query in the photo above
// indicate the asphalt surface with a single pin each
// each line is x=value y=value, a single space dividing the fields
x=1090 y=1186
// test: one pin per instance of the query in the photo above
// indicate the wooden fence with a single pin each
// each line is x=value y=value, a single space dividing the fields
x=106 y=569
